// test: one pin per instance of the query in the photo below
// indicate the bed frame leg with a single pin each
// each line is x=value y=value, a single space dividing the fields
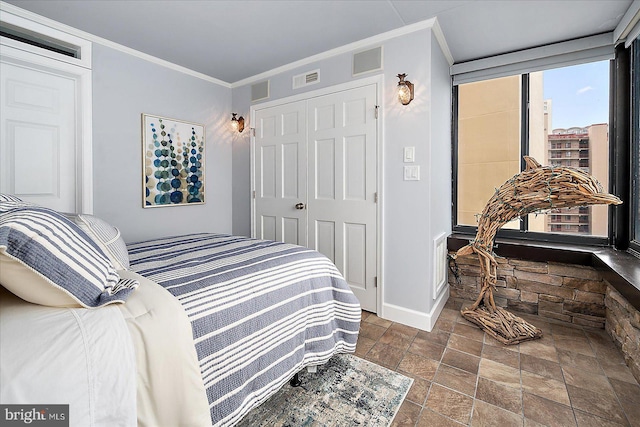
x=295 y=381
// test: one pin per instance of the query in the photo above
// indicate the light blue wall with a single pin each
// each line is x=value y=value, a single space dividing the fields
x=124 y=87
x=440 y=183
x=414 y=212
x=241 y=165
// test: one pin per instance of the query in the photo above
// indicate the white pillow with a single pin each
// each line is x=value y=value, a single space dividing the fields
x=48 y=260
x=30 y=286
x=106 y=236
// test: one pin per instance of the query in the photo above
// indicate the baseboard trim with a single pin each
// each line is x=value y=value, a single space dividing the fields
x=414 y=318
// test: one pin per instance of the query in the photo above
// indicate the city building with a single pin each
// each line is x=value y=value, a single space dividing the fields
x=584 y=148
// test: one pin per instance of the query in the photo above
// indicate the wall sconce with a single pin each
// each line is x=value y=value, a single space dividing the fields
x=405 y=90
x=237 y=123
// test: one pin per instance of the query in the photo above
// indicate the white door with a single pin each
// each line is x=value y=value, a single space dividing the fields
x=320 y=155
x=280 y=173
x=38 y=135
x=342 y=135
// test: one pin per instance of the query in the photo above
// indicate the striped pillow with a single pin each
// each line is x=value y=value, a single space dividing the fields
x=48 y=260
x=8 y=198
x=106 y=236
x=8 y=202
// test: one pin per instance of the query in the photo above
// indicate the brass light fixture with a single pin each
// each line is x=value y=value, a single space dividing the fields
x=237 y=123
x=405 y=90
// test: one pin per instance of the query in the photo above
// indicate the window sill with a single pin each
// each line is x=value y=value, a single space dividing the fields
x=619 y=268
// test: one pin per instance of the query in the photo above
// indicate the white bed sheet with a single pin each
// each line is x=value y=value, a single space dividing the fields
x=84 y=358
x=131 y=364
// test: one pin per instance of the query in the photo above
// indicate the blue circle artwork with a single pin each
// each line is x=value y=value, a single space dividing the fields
x=174 y=159
x=176 y=197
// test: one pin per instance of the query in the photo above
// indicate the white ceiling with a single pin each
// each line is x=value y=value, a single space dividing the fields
x=234 y=40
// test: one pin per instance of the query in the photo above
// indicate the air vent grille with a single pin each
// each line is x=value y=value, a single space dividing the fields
x=260 y=91
x=306 y=79
x=39 y=40
x=367 y=61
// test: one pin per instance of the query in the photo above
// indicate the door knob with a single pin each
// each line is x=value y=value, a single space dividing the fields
x=300 y=206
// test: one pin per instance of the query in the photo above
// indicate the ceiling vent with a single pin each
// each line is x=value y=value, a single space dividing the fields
x=306 y=79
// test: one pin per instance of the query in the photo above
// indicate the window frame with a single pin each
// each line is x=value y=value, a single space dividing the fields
x=634 y=151
x=523 y=233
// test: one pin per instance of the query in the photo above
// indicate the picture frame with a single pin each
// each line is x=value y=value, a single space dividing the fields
x=169 y=177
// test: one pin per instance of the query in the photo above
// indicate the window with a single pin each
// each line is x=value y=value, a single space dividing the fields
x=560 y=117
x=489 y=126
x=635 y=146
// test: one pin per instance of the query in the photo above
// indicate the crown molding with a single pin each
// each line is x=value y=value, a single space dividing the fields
x=9 y=8
x=360 y=44
x=431 y=23
x=437 y=31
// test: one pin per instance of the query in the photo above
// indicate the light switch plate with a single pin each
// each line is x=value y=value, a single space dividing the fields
x=412 y=173
x=409 y=154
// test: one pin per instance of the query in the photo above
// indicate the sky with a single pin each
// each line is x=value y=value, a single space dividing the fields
x=580 y=94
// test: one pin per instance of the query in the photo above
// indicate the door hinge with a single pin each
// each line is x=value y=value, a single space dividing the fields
x=375 y=197
x=375 y=282
x=254 y=194
x=377 y=108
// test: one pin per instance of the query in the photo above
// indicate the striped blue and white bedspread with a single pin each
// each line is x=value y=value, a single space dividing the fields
x=260 y=311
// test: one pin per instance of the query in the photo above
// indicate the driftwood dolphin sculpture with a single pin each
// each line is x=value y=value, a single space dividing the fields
x=536 y=189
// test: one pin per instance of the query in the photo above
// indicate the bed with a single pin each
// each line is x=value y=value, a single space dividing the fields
x=207 y=327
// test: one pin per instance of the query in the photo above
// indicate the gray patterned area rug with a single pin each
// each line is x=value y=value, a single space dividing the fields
x=346 y=391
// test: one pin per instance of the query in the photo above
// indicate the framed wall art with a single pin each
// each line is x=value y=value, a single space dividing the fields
x=173 y=162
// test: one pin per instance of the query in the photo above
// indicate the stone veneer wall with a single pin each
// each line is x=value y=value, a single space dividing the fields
x=623 y=324
x=564 y=292
x=559 y=292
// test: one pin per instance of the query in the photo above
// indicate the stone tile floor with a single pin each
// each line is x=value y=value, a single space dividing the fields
x=463 y=377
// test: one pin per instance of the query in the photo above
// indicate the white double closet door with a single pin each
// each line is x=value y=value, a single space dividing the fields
x=315 y=171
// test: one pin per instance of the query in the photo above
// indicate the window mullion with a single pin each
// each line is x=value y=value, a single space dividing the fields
x=454 y=156
x=524 y=134
x=620 y=148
